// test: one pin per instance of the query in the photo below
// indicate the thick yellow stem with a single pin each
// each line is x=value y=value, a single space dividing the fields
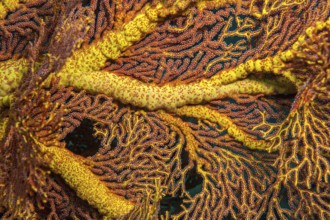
x=93 y=57
x=7 y=6
x=11 y=73
x=3 y=125
x=151 y=96
x=85 y=183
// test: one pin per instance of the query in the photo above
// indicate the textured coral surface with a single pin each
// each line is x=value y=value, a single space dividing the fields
x=154 y=109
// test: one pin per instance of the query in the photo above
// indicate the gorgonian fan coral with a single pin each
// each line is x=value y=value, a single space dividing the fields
x=178 y=109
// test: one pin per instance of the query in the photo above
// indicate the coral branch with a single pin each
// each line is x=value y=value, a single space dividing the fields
x=151 y=96
x=3 y=126
x=8 y=5
x=94 y=56
x=235 y=131
x=80 y=178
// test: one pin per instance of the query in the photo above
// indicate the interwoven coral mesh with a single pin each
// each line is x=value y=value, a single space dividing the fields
x=212 y=38
x=250 y=140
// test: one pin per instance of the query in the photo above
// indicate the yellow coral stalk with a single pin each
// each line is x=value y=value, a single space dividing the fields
x=93 y=57
x=3 y=125
x=192 y=143
x=85 y=183
x=11 y=75
x=169 y=96
x=233 y=130
x=7 y=6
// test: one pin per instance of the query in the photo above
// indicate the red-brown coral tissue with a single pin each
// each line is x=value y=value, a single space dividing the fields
x=169 y=163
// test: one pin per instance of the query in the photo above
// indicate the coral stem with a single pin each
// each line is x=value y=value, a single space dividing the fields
x=81 y=179
x=238 y=134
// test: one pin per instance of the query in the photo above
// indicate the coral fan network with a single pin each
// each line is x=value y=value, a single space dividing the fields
x=154 y=109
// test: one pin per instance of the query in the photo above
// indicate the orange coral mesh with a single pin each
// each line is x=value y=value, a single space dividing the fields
x=170 y=165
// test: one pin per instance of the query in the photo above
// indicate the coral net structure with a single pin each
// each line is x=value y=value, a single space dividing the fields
x=169 y=109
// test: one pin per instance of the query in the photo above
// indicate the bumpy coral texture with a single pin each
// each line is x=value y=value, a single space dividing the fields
x=176 y=109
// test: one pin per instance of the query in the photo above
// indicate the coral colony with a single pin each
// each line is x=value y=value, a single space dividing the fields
x=165 y=109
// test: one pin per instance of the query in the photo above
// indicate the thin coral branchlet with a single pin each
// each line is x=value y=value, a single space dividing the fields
x=138 y=109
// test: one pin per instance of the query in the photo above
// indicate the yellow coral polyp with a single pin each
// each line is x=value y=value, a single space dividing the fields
x=287 y=55
x=3 y=11
x=142 y=21
x=152 y=14
x=11 y=75
x=132 y=32
x=11 y=4
x=8 y=5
